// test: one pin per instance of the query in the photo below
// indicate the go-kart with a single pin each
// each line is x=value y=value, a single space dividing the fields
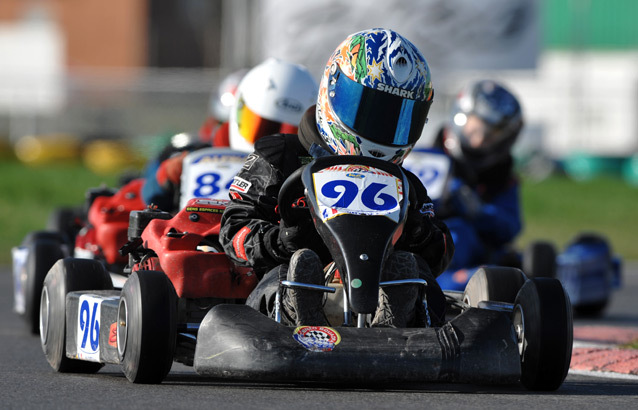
x=176 y=273
x=95 y=231
x=587 y=267
x=99 y=229
x=508 y=328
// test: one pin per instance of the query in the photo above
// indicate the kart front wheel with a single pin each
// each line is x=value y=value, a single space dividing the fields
x=67 y=275
x=493 y=283
x=542 y=320
x=146 y=327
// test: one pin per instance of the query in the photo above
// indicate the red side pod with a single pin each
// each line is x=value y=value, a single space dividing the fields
x=195 y=273
x=109 y=217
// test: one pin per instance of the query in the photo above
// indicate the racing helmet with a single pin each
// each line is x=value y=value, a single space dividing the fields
x=374 y=96
x=271 y=99
x=223 y=98
x=484 y=124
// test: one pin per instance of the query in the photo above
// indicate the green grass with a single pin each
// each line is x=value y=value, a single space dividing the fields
x=555 y=209
x=631 y=345
x=29 y=194
x=558 y=208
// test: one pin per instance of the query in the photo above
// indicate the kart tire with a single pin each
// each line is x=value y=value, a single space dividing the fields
x=44 y=249
x=146 y=329
x=65 y=222
x=591 y=310
x=539 y=260
x=542 y=320
x=494 y=284
x=67 y=275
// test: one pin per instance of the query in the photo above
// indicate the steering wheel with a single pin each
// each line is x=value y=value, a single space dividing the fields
x=291 y=209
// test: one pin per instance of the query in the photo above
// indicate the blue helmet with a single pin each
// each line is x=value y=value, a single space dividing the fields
x=483 y=125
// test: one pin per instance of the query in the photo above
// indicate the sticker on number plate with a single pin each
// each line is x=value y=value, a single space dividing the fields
x=358 y=190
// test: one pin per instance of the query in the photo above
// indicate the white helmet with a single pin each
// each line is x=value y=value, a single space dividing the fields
x=271 y=98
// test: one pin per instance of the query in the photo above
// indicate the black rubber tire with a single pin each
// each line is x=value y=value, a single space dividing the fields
x=495 y=284
x=591 y=310
x=539 y=260
x=594 y=309
x=146 y=330
x=546 y=342
x=65 y=222
x=67 y=275
x=44 y=249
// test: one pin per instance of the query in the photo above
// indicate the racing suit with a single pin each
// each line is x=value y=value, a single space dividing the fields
x=250 y=228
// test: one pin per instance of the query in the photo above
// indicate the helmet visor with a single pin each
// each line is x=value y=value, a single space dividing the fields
x=480 y=136
x=252 y=126
x=385 y=115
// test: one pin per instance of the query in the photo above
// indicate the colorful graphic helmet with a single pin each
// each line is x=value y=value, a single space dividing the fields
x=271 y=98
x=374 y=96
x=484 y=124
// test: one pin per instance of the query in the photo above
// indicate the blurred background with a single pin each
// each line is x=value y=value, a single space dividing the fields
x=77 y=73
x=131 y=69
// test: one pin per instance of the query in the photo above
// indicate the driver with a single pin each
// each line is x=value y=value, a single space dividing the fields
x=260 y=112
x=373 y=100
x=482 y=209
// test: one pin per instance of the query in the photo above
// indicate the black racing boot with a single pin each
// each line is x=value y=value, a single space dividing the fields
x=304 y=307
x=398 y=304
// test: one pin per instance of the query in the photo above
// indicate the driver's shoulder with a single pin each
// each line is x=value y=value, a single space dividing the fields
x=277 y=149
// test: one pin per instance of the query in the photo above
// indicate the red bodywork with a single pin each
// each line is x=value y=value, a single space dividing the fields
x=108 y=219
x=195 y=273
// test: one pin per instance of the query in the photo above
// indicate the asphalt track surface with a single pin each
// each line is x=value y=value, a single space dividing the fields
x=27 y=381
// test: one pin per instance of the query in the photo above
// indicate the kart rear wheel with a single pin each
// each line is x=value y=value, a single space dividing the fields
x=542 y=319
x=44 y=249
x=539 y=260
x=146 y=327
x=67 y=275
x=495 y=284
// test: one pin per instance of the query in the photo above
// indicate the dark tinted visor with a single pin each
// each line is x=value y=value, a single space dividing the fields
x=379 y=116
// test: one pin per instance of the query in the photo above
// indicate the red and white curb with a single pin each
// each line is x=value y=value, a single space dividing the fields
x=596 y=352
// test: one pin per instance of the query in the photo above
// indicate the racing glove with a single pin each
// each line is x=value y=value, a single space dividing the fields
x=293 y=238
x=429 y=237
x=464 y=200
x=170 y=171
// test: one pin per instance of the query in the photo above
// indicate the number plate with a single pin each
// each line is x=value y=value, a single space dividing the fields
x=88 y=328
x=208 y=173
x=358 y=190
x=432 y=168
